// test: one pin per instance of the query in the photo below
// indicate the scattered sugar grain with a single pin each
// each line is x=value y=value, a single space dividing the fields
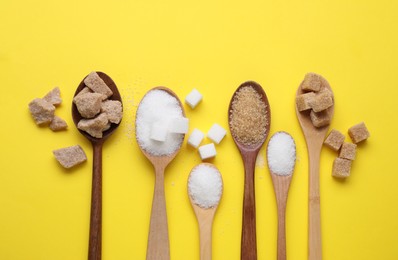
x=281 y=153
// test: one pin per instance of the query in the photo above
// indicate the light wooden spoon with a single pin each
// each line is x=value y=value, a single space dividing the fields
x=281 y=179
x=314 y=138
x=158 y=239
x=249 y=154
x=205 y=217
x=95 y=237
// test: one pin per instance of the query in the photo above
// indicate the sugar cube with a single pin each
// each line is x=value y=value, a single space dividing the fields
x=159 y=131
x=358 y=133
x=321 y=118
x=179 y=125
x=195 y=138
x=95 y=83
x=334 y=140
x=113 y=109
x=42 y=111
x=216 y=133
x=70 y=156
x=348 y=151
x=193 y=98
x=312 y=82
x=341 y=168
x=95 y=126
x=207 y=151
x=88 y=104
x=303 y=101
x=322 y=101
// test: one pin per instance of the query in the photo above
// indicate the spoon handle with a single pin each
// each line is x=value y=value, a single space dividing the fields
x=205 y=238
x=248 y=243
x=158 y=240
x=314 y=208
x=94 y=245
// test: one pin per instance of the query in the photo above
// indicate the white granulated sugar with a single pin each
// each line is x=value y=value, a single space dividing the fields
x=281 y=153
x=157 y=105
x=205 y=186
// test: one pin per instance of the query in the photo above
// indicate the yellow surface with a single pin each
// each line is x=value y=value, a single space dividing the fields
x=213 y=46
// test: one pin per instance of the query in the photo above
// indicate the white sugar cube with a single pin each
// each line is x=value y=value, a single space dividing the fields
x=159 y=131
x=196 y=138
x=216 y=133
x=207 y=151
x=193 y=98
x=179 y=125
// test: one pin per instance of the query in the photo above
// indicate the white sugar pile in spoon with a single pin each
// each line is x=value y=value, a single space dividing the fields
x=281 y=154
x=205 y=186
x=158 y=106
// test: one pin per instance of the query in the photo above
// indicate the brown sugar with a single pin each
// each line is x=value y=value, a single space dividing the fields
x=323 y=100
x=113 y=109
x=95 y=83
x=341 y=168
x=303 y=101
x=348 y=151
x=41 y=111
x=58 y=124
x=53 y=97
x=320 y=119
x=88 y=104
x=95 y=126
x=70 y=156
x=248 y=116
x=358 y=133
x=334 y=140
x=312 y=82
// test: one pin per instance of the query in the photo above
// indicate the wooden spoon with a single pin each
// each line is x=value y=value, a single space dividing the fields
x=94 y=247
x=281 y=181
x=205 y=217
x=158 y=240
x=314 y=138
x=249 y=154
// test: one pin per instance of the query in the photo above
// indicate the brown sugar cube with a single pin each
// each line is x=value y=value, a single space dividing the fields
x=84 y=91
x=321 y=118
x=303 y=101
x=113 y=109
x=53 y=97
x=334 y=140
x=95 y=83
x=95 y=126
x=58 y=124
x=88 y=104
x=42 y=111
x=341 y=168
x=70 y=156
x=312 y=82
x=348 y=151
x=358 y=133
x=323 y=100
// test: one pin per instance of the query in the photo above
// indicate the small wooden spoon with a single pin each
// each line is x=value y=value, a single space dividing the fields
x=314 y=138
x=205 y=217
x=249 y=154
x=158 y=240
x=94 y=247
x=281 y=182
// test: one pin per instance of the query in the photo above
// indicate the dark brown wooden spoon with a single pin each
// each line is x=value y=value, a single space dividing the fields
x=158 y=239
x=249 y=154
x=94 y=247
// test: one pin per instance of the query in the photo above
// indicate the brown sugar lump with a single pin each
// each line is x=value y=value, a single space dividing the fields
x=95 y=83
x=84 y=91
x=323 y=100
x=303 y=101
x=334 y=140
x=88 y=104
x=348 y=151
x=113 y=109
x=95 y=126
x=312 y=82
x=42 y=111
x=341 y=168
x=70 y=156
x=320 y=119
x=58 y=124
x=53 y=97
x=358 y=133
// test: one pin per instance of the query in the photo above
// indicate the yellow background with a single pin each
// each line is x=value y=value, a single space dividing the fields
x=213 y=46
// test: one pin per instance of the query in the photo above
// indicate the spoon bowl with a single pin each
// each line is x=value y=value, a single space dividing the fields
x=95 y=235
x=249 y=154
x=314 y=138
x=158 y=240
